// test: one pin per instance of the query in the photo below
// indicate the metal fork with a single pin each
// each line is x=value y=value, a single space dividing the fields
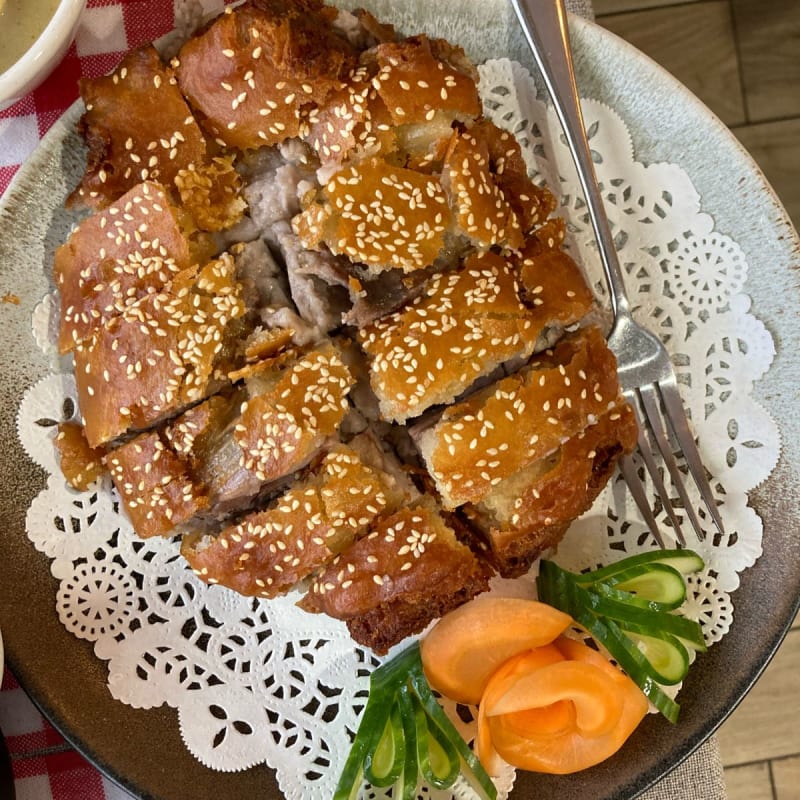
x=646 y=374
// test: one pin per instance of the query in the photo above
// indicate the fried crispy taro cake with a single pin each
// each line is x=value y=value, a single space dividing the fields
x=324 y=326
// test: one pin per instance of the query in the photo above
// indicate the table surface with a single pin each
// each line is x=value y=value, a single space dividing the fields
x=44 y=765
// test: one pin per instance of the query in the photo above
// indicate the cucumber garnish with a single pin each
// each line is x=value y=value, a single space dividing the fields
x=403 y=733
x=628 y=608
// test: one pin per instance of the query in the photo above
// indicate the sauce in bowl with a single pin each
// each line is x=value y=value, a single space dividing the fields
x=21 y=23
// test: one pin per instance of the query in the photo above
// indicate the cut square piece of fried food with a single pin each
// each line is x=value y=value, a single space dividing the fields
x=462 y=327
x=511 y=424
x=257 y=71
x=378 y=214
x=162 y=353
x=419 y=78
x=292 y=411
x=158 y=491
x=115 y=257
x=267 y=552
x=137 y=127
x=407 y=571
x=530 y=511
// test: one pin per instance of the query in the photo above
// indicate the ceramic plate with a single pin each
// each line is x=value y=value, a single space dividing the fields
x=142 y=749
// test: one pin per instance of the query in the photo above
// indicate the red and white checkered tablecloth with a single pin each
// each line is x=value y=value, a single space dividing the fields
x=44 y=765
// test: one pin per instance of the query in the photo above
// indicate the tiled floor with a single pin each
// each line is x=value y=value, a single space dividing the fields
x=742 y=58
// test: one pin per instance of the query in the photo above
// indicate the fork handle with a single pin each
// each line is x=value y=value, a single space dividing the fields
x=544 y=23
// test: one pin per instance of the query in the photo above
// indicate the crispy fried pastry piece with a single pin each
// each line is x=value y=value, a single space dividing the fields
x=137 y=127
x=81 y=464
x=115 y=257
x=463 y=326
x=291 y=412
x=354 y=122
x=384 y=216
x=160 y=354
x=419 y=78
x=403 y=99
x=407 y=571
x=269 y=551
x=494 y=201
x=480 y=207
x=211 y=193
x=511 y=424
x=531 y=203
x=552 y=284
x=256 y=72
x=529 y=512
x=212 y=449
x=158 y=491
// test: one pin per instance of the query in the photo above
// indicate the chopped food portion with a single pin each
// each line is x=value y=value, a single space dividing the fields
x=292 y=411
x=258 y=70
x=523 y=418
x=81 y=464
x=211 y=193
x=267 y=552
x=112 y=259
x=155 y=485
x=464 y=325
x=305 y=236
x=138 y=127
x=167 y=350
x=530 y=511
x=384 y=216
x=407 y=571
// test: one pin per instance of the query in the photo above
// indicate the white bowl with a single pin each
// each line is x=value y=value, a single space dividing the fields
x=43 y=55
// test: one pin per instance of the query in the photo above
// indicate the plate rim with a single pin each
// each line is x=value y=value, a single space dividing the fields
x=60 y=131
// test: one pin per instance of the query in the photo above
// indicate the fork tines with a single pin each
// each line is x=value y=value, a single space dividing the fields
x=662 y=422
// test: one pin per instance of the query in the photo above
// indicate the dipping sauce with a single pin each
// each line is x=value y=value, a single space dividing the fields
x=21 y=23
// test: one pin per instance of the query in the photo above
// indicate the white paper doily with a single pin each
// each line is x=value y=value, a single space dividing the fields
x=262 y=682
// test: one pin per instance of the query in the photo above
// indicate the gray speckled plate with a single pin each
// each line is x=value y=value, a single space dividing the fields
x=142 y=750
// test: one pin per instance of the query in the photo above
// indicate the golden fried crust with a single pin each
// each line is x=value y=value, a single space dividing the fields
x=532 y=204
x=159 y=354
x=352 y=123
x=461 y=327
x=530 y=512
x=211 y=193
x=407 y=571
x=282 y=427
x=188 y=434
x=157 y=490
x=553 y=286
x=81 y=464
x=378 y=214
x=137 y=127
x=479 y=205
x=521 y=419
x=419 y=78
x=116 y=256
x=269 y=551
x=256 y=72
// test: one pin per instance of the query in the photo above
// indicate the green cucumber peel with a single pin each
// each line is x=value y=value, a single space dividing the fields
x=384 y=765
x=652 y=583
x=684 y=561
x=667 y=657
x=599 y=603
x=438 y=758
x=404 y=733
